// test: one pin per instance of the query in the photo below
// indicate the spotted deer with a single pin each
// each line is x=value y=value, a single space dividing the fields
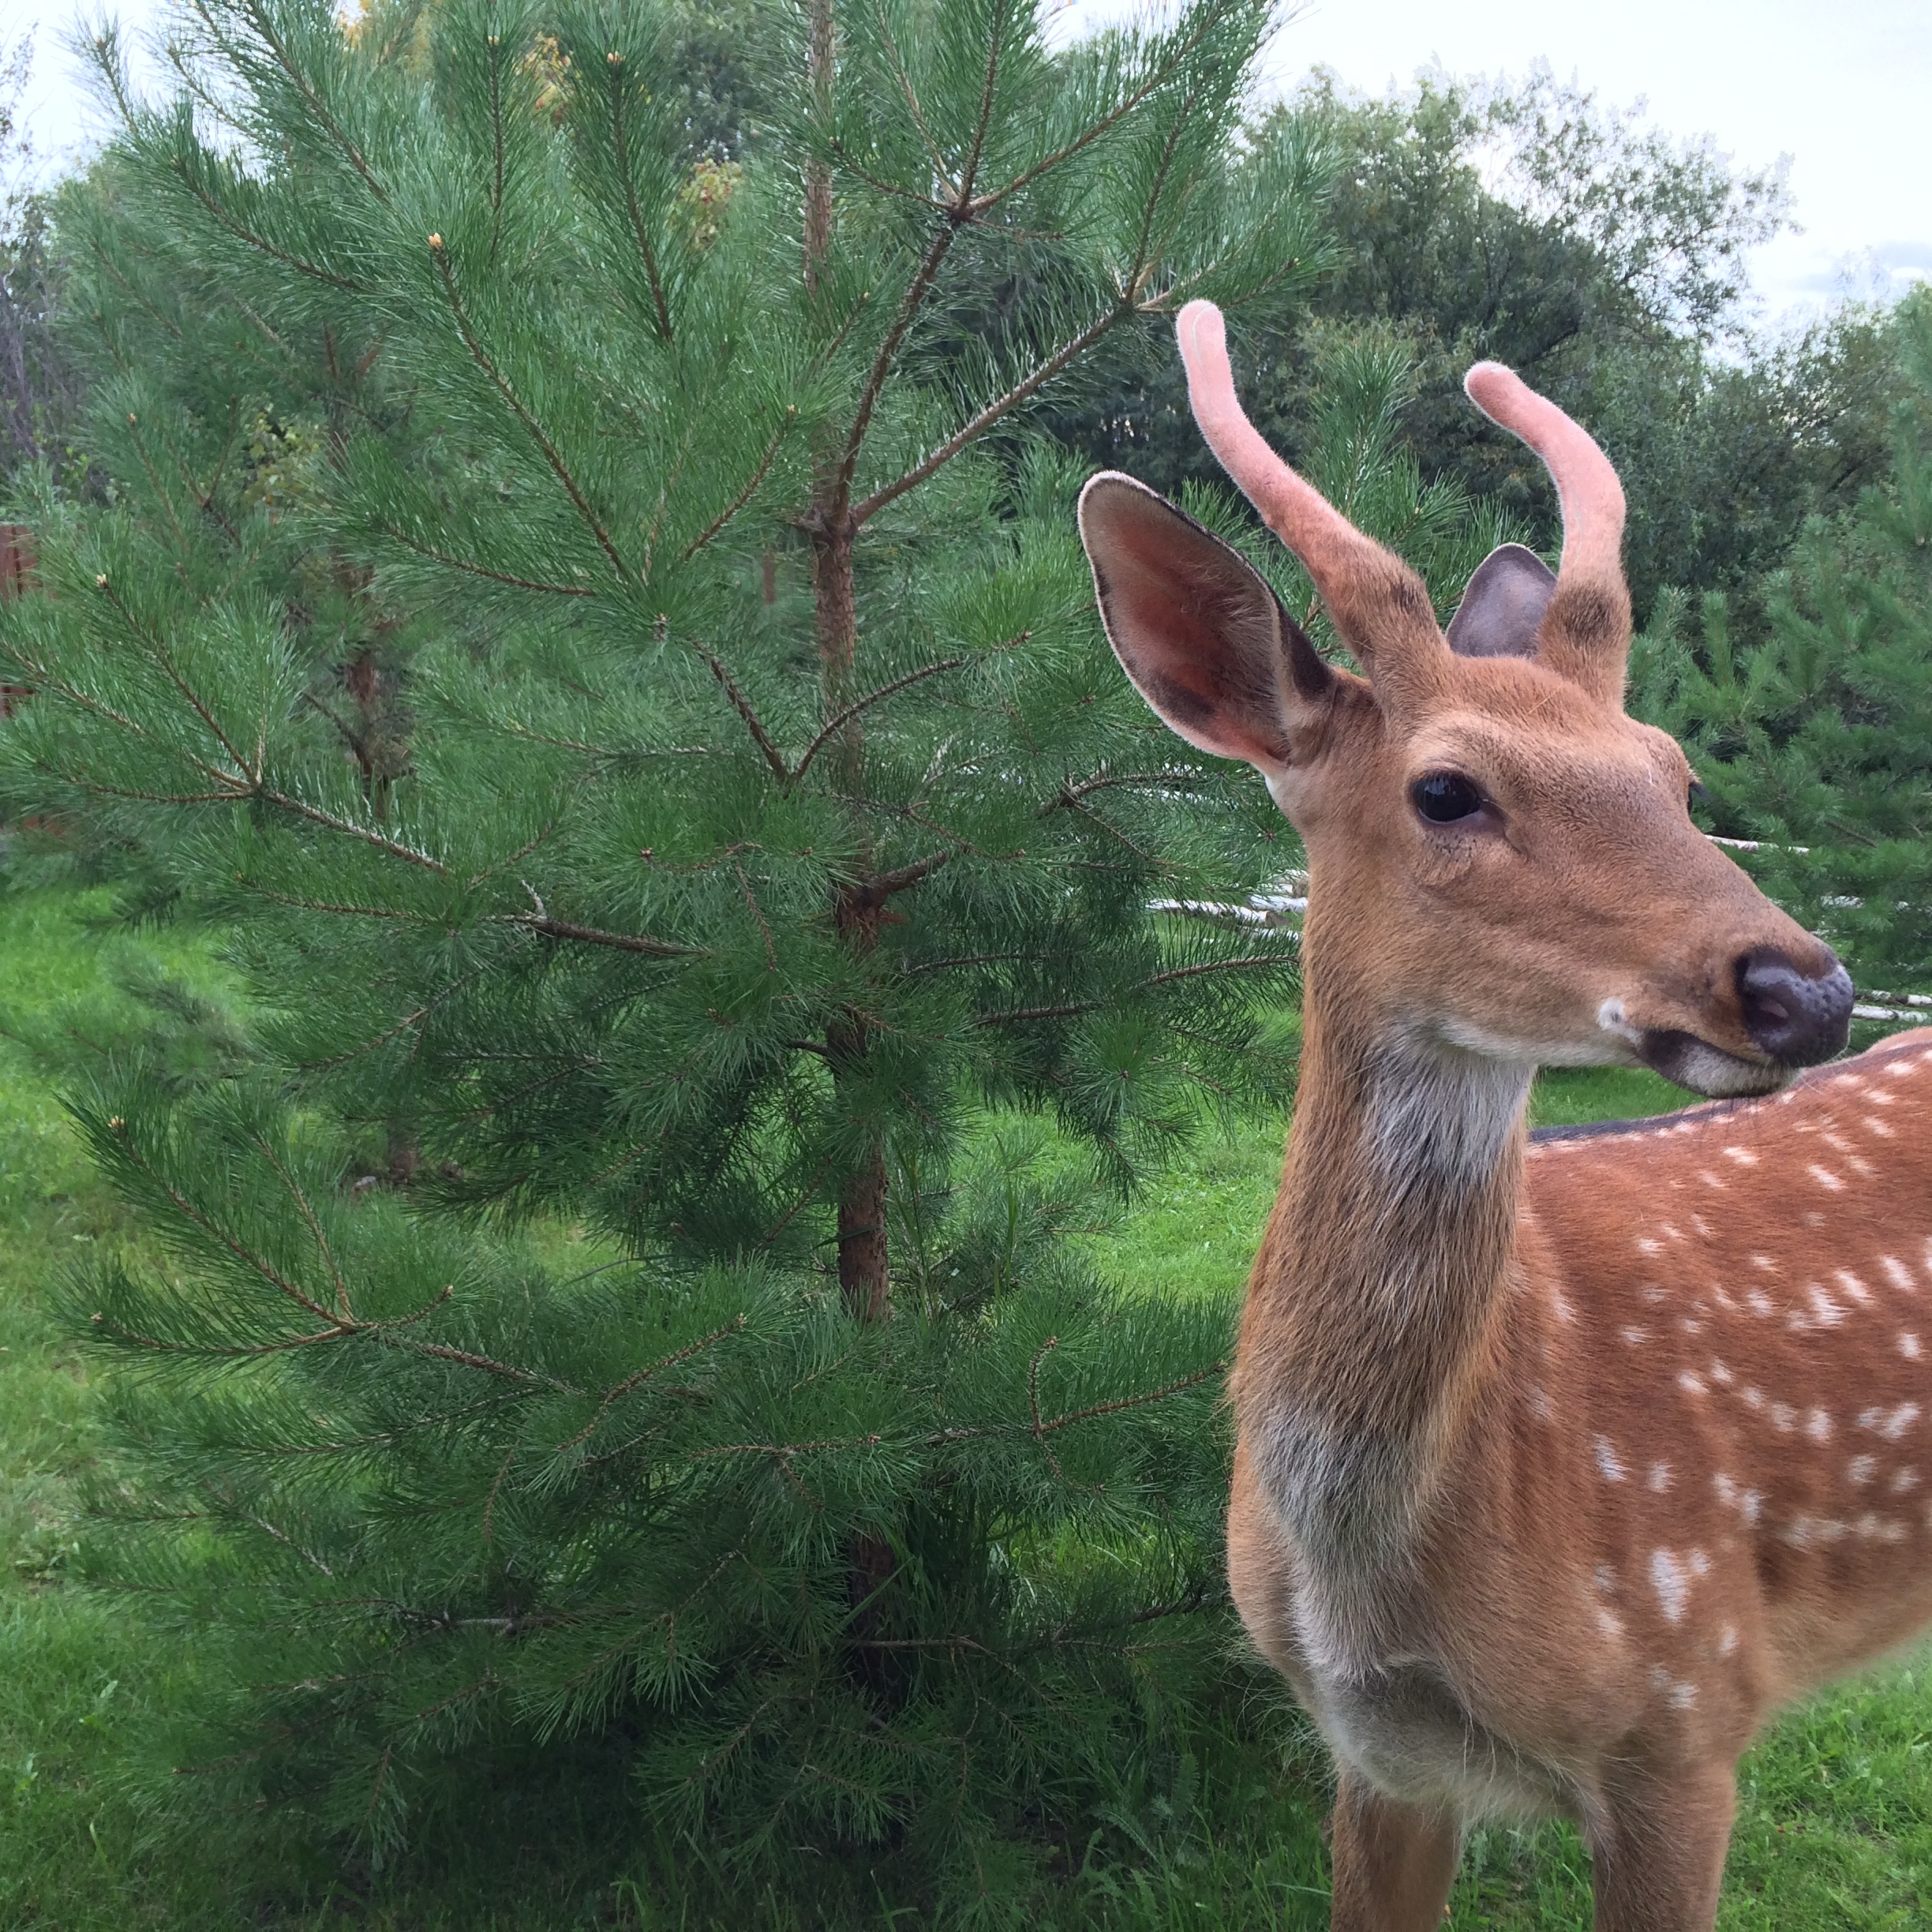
x=1562 y=1460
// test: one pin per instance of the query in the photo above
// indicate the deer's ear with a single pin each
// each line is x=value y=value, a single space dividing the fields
x=1203 y=639
x=1502 y=606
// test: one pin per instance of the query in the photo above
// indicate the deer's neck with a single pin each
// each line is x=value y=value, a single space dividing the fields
x=1374 y=1309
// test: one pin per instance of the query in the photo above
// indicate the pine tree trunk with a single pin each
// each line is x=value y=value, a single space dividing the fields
x=863 y=1259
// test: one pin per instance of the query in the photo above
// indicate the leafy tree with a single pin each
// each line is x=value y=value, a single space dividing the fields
x=1528 y=222
x=738 y=844
x=1808 y=707
x=38 y=395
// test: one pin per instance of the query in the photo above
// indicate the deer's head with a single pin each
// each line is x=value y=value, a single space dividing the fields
x=1502 y=860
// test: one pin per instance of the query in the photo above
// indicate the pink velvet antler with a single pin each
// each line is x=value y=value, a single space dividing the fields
x=1377 y=602
x=1586 y=485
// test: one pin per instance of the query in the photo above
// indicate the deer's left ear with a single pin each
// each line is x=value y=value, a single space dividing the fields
x=1502 y=606
x=1196 y=628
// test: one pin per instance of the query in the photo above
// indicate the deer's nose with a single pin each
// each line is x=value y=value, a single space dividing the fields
x=1798 y=1019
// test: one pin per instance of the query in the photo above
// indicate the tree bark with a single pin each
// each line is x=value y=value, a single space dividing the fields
x=818 y=176
x=863 y=1257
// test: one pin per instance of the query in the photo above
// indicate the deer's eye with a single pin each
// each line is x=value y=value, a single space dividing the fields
x=1443 y=797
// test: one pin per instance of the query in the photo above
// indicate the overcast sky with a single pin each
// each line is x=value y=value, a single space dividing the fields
x=1844 y=88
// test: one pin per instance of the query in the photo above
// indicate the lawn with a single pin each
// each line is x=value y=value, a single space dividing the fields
x=1834 y=1816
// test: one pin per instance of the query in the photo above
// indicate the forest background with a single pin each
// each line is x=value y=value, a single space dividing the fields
x=874 y=1569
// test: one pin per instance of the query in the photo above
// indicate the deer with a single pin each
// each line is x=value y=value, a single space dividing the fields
x=1562 y=1460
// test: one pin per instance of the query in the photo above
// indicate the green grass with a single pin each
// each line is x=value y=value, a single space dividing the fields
x=1835 y=1818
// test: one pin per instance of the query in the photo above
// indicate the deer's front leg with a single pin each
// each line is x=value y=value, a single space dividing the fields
x=1658 y=1851
x=1393 y=1865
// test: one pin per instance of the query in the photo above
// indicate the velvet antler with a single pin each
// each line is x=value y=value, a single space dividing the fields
x=1377 y=602
x=1585 y=631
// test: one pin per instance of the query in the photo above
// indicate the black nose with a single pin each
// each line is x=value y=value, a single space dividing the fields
x=1794 y=1017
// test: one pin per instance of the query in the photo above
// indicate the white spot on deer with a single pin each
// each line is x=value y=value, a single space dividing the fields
x=1898 y=1274
x=1880 y=1528
x=1783 y=1417
x=1560 y=1303
x=1609 y=1622
x=1802 y=1531
x=1908 y=1345
x=1636 y=1337
x=1690 y=1326
x=1873 y=1124
x=1753 y=1399
x=1889 y=1423
x=1880 y=1099
x=1540 y=1406
x=1660 y=1476
x=1825 y=1311
x=1863 y=1469
x=1861 y=1166
x=1853 y=1287
x=1764 y=1262
x=1743 y=1156
x=1897 y=1068
x=1818 y=1426
x=1846 y=1080
x=1709 y=1179
x=1720 y=1374
x=1702 y=1225
x=1905 y=1479
x=1682 y=1696
x=1607 y=1462
x=1759 y=1303
x=1749 y=1503
x=1671 y=1581
x=1675 y=1234
x=1727 y=1640
x=1691 y=1384
x=1825 y=1177
x=1653 y=1293
x=1838 y=1143
x=1646 y=1245
x=1604 y=1577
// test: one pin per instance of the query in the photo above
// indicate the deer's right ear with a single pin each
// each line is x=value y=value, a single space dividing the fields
x=1196 y=628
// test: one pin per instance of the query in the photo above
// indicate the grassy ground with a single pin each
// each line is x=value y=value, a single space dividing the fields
x=1835 y=1822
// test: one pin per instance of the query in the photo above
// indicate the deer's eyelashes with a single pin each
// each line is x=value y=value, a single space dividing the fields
x=1447 y=797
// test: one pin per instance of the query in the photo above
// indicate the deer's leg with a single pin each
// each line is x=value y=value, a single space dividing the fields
x=1393 y=1865
x=1657 y=1853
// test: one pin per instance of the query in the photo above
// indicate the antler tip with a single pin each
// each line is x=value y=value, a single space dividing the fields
x=1490 y=386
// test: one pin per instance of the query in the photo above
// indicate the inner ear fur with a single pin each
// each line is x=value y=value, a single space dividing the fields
x=1196 y=628
x=1502 y=606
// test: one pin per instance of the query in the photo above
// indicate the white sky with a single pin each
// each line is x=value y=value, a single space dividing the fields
x=1844 y=87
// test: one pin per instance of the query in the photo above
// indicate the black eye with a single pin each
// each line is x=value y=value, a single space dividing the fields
x=1443 y=797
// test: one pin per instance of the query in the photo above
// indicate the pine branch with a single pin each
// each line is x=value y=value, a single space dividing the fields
x=844 y=717
x=614 y=66
x=440 y=255
x=1040 y=375
x=731 y=510
x=478 y=570
x=742 y=704
x=262 y=20
x=592 y=935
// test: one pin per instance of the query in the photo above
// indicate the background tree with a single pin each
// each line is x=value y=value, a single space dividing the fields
x=1528 y=223
x=1808 y=704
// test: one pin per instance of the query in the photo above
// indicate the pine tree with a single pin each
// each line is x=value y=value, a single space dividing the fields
x=584 y=616
x=1810 y=727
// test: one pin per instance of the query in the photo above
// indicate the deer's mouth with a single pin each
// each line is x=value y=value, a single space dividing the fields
x=1686 y=1060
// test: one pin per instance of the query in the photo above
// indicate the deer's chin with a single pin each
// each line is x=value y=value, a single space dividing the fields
x=1686 y=1060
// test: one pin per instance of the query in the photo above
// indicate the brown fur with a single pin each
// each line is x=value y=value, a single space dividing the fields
x=1560 y=1466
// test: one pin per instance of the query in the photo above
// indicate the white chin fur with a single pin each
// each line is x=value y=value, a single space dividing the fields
x=1711 y=1071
